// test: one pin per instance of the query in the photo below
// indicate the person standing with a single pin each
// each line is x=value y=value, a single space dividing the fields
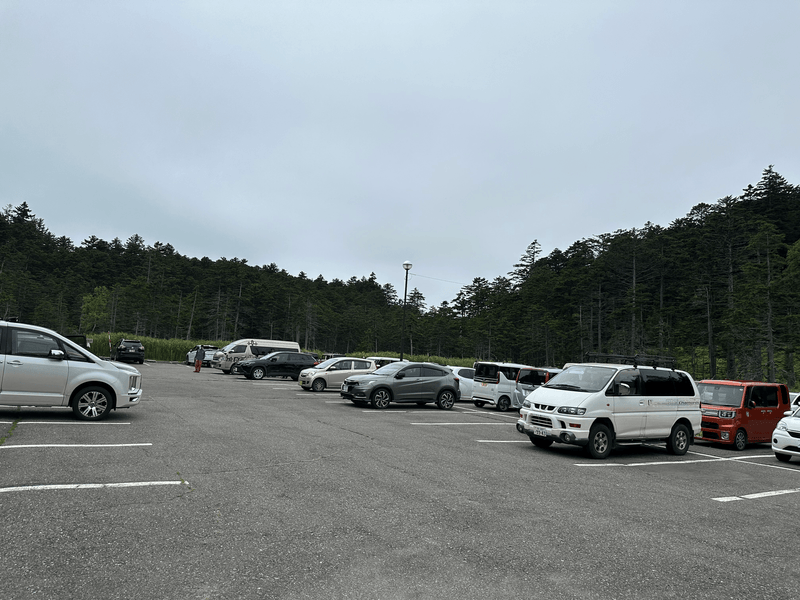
x=199 y=356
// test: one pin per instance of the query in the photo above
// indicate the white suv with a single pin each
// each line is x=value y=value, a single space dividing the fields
x=39 y=367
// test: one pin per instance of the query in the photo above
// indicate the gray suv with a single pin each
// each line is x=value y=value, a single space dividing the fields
x=39 y=367
x=403 y=382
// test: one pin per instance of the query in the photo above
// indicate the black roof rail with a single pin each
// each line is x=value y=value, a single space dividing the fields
x=651 y=360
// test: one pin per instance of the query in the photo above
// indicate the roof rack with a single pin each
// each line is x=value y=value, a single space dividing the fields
x=651 y=360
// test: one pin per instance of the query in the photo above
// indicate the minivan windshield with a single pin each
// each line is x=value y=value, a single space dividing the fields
x=582 y=378
x=327 y=363
x=721 y=395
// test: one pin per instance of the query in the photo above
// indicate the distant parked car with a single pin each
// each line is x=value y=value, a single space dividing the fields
x=332 y=372
x=210 y=350
x=277 y=364
x=465 y=375
x=786 y=437
x=129 y=351
x=403 y=382
x=382 y=360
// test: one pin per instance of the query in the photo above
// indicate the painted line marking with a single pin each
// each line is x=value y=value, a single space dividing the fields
x=506 y=424
x=503 y=441
x=57 y=423
x=88 y=486
x=756 y=496
x=72 y=445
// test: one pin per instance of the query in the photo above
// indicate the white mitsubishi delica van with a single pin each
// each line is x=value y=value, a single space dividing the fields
x=602 y=405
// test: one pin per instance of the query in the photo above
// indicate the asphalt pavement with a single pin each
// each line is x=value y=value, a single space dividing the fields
x=217 y=487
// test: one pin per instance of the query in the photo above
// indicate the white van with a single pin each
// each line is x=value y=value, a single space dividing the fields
x=495 y=384
x=600 y=405
x=227 y=357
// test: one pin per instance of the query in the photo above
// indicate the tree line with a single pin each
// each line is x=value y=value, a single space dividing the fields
x=718 y=288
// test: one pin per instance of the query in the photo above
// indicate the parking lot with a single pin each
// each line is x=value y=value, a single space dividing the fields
x=221 y=487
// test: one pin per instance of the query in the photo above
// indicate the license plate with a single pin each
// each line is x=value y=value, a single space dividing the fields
x=539 y=431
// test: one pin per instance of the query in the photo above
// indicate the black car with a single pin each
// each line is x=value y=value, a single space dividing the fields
x=129 y=351
x=276 y=364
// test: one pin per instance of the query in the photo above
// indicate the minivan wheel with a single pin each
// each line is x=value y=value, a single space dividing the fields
x=783 y=457
x=318 y=385
x=540 y=442
x=381 y=398
x=478 y=403
x=678 y=441
x=446 y=400
x=92 y=404
x=503 y=404
x=599 y=441
x=258 y=373
x=740 y=441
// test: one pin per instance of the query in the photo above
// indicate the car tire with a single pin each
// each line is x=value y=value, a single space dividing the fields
x=540 y=442
x=380 y=398
x=783 y=457
x=740 y=440
x=318 y=385
x=258 y=373
x=479 y=404
x=92 y=403
x=504 y=403
x=446 y=400
x=599 y=445
x=678 y=440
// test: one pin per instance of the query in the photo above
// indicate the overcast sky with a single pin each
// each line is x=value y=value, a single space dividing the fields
x=341 y=137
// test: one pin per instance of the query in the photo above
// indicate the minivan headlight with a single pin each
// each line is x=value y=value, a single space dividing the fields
x=781 y=425
x=727 y=414
x=526 y=403
x=571 y=410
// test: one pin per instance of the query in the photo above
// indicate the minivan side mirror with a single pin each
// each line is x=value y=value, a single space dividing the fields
x=57 y=354
x=751 y=404
x=624 y=389
x=400 y=375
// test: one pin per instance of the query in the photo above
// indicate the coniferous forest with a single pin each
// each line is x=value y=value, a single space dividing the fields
x=718 y=288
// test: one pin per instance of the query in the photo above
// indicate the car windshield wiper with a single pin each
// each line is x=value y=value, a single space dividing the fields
x=566 y=386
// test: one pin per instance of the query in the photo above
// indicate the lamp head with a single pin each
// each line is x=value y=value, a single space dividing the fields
x=407 y=266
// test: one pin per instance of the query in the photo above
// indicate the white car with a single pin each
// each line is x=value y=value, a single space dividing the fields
x=43 y=368
x=210 y=350
x=465 y=380
x=332 y=372
x=786 y=437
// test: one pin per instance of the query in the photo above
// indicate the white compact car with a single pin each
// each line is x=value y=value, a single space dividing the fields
x=786 y=437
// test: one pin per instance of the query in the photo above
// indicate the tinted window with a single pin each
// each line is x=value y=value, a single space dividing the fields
x=466 y=373
x=765 y=397
x=631 y=378
x=658 y=383
x=360 y=364
x=683 y=385
x=432 y=372
x=342 y=365
x=413 y=372
x=532 y=377
x=32 y=343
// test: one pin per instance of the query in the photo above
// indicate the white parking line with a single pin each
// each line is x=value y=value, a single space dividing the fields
x=678 y=461
x=4 y=446
x=88 y=486
x=57 y=423
x=503 y=441
x=506 y=424
x=757 y=496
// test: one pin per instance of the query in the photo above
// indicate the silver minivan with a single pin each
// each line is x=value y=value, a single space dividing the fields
x=39 y=367
x=332 y=372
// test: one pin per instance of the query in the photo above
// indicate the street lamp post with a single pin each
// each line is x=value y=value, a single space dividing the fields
x=407 y=267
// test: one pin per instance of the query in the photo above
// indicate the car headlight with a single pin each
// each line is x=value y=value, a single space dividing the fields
x=571 y=410
x=727 y=414
x=526 y=403
x=781 y=425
